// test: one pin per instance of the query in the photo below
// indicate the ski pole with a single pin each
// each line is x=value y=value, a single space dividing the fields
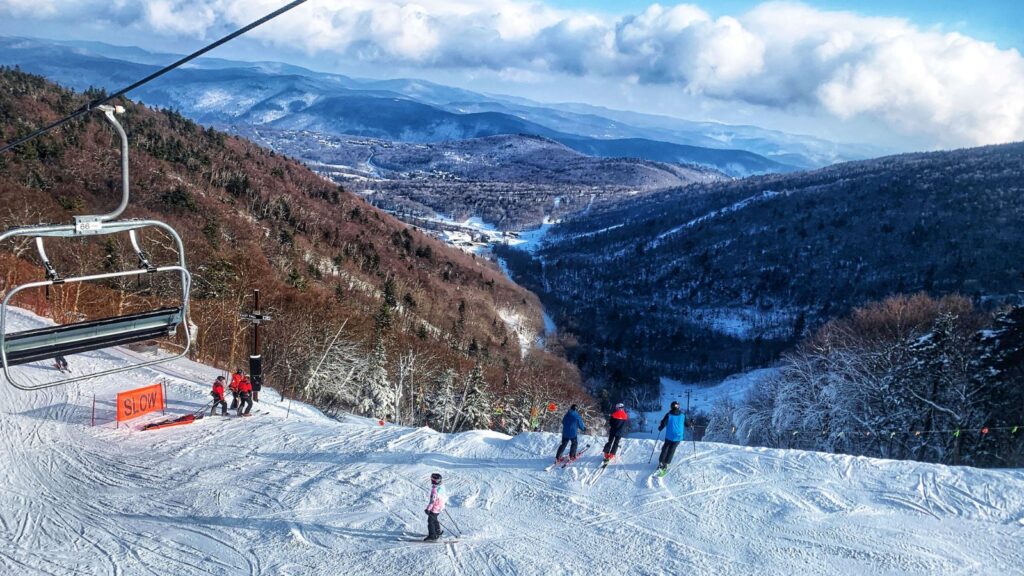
x=458 y=531
x=649 y=460
x=203 y=409
x=445 y=527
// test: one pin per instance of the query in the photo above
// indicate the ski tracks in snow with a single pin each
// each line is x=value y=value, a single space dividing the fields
x=313 y=495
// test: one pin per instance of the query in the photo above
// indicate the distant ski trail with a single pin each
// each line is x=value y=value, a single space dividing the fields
x=766 y=195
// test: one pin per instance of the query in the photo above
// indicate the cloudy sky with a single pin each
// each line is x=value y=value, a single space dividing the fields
x=914 y=74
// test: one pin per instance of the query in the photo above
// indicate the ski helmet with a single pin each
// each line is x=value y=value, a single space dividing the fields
x=620 y=406
x=435 y=478
x=675 y=405
x=573 y=407
x=220 y=378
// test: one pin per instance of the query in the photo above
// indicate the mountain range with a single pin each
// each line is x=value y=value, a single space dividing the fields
x=226 y=93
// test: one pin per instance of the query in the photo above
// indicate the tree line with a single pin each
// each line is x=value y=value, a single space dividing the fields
x=911 y=377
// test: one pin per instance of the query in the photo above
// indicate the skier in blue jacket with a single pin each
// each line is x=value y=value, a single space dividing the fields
x=572 y=425
x=674 y=424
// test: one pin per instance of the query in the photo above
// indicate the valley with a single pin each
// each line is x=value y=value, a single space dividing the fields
x=512 y=182
x=712 y=279
x=641 y=266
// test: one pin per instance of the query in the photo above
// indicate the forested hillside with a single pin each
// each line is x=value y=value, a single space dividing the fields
x=715 y=278
x=440 y=323
x=909 y=378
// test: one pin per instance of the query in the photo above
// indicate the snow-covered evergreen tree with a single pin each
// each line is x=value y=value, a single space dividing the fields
x=331 y=381
x=1001 y=364
x=753 y=417
x=942 y=383
x=720 y=422
x=1002 y=347
x=476 y=412
x=442 y=404
x=512 y=409
x=378 y=395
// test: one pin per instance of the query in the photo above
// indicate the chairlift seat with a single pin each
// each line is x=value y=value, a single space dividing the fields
x=43 y=343
x=33 y=345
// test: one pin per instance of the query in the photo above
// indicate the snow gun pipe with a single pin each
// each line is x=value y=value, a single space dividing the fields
x=100 y=101
x=653 y=448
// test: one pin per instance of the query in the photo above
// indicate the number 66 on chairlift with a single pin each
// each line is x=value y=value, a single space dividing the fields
x=28 y=346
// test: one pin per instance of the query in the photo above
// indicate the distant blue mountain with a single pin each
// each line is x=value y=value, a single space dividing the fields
x=285 y=97
x=604 y=123
x=734 y=162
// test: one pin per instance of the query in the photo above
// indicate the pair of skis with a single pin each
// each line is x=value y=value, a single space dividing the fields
x=567 y=461
x=601 y=469
x=417 y=539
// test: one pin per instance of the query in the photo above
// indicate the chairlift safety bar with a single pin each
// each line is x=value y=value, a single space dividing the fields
x=186 y=277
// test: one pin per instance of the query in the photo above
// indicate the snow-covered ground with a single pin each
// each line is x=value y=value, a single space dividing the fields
x=307 y=494
x=702 y=397
x=520 y=326
x=475 y=235
x=531 y=240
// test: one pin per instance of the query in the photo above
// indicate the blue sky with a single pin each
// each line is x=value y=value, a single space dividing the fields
x=999 y=21
x=888 y=73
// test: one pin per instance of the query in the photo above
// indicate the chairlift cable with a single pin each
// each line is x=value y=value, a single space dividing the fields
x=100 y=101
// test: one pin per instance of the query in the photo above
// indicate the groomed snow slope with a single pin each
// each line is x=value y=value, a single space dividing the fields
x=311 y=495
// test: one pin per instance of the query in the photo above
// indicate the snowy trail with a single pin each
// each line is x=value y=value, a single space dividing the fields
x=735 y=207
x=313 y=495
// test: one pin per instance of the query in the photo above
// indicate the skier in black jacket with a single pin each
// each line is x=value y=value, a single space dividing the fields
x=616 y=430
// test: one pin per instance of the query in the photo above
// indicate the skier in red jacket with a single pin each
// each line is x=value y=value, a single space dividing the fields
x=616 y=429
x=218 y=397
x=244 y=397
x=236 y=379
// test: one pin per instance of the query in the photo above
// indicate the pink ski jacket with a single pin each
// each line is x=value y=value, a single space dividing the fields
x=437 y=499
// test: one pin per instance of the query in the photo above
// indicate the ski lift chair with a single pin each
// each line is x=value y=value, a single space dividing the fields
x=27 y=346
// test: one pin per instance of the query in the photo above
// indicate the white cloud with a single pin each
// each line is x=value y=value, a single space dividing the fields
x=951 y=88
x=180 y=18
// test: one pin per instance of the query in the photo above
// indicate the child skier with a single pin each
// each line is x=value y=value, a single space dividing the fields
x=616 y=429
x=244 y=397
x=61 y=363
x=434 y=508
x=572 y=425
x=674 y=424
x=218 y=397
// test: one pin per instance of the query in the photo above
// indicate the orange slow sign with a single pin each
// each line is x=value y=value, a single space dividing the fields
x=135 y=403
